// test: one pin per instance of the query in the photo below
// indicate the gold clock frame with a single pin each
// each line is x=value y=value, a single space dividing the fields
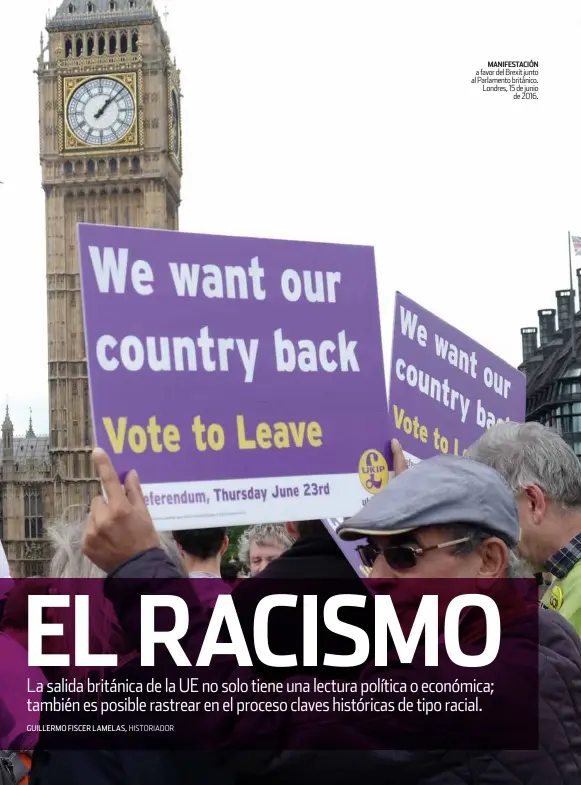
x=70 y=145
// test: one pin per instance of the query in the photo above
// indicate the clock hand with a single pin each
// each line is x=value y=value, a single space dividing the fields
x=105 y=105
x=102 y=109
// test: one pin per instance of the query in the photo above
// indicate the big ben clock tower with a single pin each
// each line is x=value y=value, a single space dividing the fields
x=110 y=140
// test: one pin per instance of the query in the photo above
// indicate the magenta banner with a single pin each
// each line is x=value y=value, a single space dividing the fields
x=136 y=663
x=242 y=378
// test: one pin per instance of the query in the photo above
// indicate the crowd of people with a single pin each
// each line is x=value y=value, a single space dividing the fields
x=509 y=509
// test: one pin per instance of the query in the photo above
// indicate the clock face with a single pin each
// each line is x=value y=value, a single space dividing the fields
x=176 y=122
x=101 y=112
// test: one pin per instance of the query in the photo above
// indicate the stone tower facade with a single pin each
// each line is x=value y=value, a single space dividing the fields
x=26 y=494
x=110 y=150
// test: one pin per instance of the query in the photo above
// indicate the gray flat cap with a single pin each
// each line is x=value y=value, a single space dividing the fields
x=442 y=490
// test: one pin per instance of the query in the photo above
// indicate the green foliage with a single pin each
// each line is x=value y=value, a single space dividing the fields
x=234 y=533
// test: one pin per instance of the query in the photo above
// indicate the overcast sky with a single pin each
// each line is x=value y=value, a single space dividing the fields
x=348 y=122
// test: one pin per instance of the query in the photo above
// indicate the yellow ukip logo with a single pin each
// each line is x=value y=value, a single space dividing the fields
x=556 y=598
x=373 y=471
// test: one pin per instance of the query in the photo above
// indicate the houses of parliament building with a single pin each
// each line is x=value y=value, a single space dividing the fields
x=110 y=153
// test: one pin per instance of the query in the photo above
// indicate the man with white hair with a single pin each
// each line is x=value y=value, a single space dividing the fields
x=545 y=475
x=260 y=545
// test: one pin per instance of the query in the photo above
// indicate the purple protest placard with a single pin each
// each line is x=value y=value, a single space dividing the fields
x=445 y=388
x=242 y=378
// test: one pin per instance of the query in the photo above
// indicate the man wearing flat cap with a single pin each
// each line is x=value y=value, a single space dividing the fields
x=446 y=517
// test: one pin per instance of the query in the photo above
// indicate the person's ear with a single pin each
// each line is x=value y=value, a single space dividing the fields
x=494 y=558
x=225 y=545
x=536 y=502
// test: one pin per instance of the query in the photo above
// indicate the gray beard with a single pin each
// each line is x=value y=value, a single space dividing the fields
x=519 y=567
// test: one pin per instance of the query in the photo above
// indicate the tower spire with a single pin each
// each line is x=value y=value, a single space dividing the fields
x=30 y=434
x=7 y=436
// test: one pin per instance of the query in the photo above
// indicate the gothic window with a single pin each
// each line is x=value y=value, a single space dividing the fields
x=76 y=468
x=134 y=41
x=68 y=168
x=79 y=46
x=68 y=47
x=102 y=167
x=86 y=409
x=132 y=4
x=101 y=44
x=90 y=168
x=71 y=8
x=171 y=216
x=123 y=43
x=90 y=46
x=135 y=165
x=112 y=44
x=112 y=5
x=113 y=166
x=33 y=513
x=91 y=7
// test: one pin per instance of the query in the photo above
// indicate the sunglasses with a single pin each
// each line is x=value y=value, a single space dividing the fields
x=400 y=557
